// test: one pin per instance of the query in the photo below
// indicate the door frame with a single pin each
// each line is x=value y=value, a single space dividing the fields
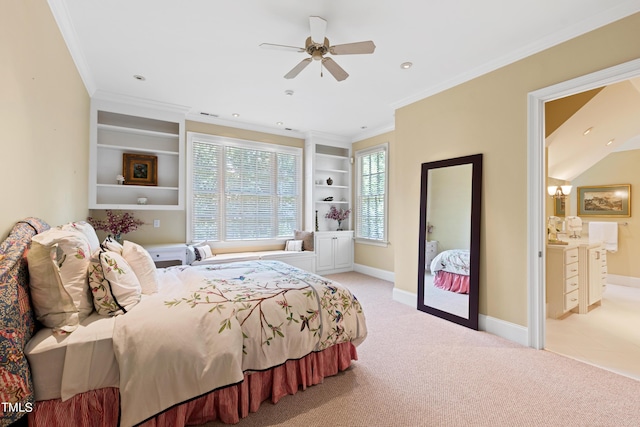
x=536 y=191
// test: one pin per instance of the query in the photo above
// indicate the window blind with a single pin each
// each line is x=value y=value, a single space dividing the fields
x=244 y=191
x=371 y=197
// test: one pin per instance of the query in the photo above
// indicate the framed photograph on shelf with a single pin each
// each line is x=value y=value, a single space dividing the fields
x=140 y=169
x=609 y=201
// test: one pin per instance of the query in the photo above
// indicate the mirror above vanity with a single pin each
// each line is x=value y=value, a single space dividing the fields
x=449 y=245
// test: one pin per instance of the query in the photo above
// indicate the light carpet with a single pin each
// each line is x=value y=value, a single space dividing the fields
x=418 y=370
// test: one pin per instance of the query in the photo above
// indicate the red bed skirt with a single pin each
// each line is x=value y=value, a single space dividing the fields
x=99 y=408
x=451 y=282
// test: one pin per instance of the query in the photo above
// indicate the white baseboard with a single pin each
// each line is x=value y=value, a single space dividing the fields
x=389 y=276
x=614 y=279
x=507 y=330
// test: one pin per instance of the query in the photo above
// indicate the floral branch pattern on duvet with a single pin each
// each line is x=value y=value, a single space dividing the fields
x=250 y=298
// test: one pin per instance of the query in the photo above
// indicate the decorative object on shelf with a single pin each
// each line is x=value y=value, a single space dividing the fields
x=120 y=179
x=328 y=199
x=116 y=224
x=142 y=200
x=329 y=181
x=140 y=169
x=606 y=201
x=317 y=228
x=339 y=215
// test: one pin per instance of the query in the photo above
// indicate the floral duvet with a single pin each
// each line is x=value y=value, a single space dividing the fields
x=208 y=325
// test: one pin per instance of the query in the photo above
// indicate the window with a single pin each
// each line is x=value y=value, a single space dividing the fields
x=371 y=194
x=241 y=190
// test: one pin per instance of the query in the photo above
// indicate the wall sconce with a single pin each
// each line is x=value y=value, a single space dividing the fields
x=558 y=191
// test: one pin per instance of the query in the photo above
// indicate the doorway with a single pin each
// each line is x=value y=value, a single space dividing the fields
x=536 y=186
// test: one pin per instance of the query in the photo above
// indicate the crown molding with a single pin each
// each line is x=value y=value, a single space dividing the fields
x=197 y=117
x=68 y=31
x=370 y=133
x=614 y=14
x=101 y=95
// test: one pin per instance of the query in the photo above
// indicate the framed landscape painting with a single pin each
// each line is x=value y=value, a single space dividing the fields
x=610 y=201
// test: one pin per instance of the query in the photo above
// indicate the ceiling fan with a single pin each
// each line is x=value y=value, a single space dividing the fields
x=317 y=45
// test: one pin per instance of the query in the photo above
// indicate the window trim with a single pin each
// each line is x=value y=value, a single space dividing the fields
x=236 y=142
x=384 y=242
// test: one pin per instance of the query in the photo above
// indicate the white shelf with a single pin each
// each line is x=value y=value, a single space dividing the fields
x=332 y=170
x=331 y=186
x=332 y=156
x=333 y=202
x=117 y=129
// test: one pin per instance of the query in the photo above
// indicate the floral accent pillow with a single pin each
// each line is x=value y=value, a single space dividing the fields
x=114 y=285
x=58 y=262
x=142 y=265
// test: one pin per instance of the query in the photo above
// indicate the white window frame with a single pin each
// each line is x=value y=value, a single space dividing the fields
x=358 y=155
x=225 y=141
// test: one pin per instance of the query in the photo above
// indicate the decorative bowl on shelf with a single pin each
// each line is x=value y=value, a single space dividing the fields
x=142 y=200
x=328 y=199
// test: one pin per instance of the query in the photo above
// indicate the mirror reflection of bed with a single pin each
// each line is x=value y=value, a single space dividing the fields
x=447 y=282
x=450 y=205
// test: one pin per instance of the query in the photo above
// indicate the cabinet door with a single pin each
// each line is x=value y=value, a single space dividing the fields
x=343 y=256
x=324 y=252
x=595 y=276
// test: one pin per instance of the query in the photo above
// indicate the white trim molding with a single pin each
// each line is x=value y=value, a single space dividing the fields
x=632 y=282
x=389 y=276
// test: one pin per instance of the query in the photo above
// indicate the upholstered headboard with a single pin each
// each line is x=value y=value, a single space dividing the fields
x=17 y=319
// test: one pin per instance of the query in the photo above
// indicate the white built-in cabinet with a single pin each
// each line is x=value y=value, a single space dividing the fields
x=334 y=251
x=328 y=176
x=117 y=129
x=593 y=274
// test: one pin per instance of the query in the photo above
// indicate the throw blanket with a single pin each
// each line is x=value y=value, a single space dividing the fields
x=452 y=261
x=210 y=324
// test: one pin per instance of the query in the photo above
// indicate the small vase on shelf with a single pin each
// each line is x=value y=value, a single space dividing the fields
x=339 y=226
x=329 y=181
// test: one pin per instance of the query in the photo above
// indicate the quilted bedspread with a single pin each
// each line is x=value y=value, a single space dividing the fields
x=452 y=261
x=210 y=324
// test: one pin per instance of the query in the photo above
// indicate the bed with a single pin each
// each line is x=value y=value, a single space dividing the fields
x=211 y=343
x=451 y=270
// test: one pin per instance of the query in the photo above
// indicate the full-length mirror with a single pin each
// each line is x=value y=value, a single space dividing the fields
x=449 y=247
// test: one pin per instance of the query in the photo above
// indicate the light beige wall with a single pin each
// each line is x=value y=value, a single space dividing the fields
x=44 y=120
x=618 y=168
x=173 y=228
x=489 y=115
x=449 y=206
x=377 y=256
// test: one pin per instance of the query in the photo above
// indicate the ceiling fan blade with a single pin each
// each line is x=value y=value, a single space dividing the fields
x=353 y=48
x=281 y=47
x=296 y=70
x=318 y=29
x=335 y=70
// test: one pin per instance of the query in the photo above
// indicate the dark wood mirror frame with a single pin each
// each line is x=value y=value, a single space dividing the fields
x=474 y=245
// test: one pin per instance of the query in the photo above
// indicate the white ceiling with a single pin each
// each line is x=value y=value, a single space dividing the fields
x=611 y=115
x=204 y=55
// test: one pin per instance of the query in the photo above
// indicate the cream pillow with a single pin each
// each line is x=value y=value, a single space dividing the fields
x=88 y=231
x=112 y=245
x=293 y=245
x=307 y=239
x=142 y=265
x=114 y=285
x=58 y=262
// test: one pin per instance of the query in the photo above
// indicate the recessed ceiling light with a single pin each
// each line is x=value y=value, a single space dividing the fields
x=586 y=132
x=288 y=92
x=139 y=77
x=279 y=123
x=236 y=115
x=406 y=65
x=363 y=127
x=610 y=141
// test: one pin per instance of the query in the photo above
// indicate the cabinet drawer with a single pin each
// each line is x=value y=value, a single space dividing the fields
x=571 y=255
x=571 y=284
x=571 y=300
x=571 y=270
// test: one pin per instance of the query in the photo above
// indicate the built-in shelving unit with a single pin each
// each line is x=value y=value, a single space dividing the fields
x=119 y=129
x=328 y=168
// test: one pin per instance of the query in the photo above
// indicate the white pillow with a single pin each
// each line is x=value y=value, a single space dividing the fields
x=202 y=252
x=112 y=245
x=86 y=229
x=293 y=245
x=142 y=265
x=58 y=262
x=114 y=285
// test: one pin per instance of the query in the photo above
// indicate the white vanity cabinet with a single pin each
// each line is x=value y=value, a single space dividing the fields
x=593 y=274
x=562 y=279
x=334 y=251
